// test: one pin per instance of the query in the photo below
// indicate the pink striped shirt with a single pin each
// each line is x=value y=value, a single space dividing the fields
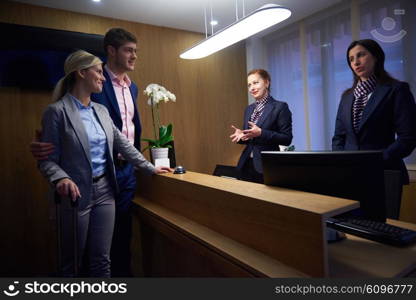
x=125 y=103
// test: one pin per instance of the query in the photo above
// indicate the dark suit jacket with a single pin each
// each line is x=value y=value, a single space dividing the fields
x=108 y=98
x=390 y=111
x=276 y=129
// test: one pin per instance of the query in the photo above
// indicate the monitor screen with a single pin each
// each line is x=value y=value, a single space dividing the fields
x=33 y=57
x=356 y=175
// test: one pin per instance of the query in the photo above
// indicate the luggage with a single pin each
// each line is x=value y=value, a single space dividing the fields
x=60 y=203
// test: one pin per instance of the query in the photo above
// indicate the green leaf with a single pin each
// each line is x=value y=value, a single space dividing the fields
x=151 y=144
x=290 y=148
x=169 y=130
x=162 y=131
x=165 y=137
x=150 y=141
x=166 y=140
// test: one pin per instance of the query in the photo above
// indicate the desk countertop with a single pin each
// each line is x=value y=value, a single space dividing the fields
x=358 y=257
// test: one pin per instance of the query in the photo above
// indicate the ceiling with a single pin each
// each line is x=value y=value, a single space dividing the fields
x=182 y=14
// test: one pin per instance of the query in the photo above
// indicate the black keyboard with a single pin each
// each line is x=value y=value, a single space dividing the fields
x=373 y=230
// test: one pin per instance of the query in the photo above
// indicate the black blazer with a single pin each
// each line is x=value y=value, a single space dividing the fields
x=276 y=129
x=390 y=111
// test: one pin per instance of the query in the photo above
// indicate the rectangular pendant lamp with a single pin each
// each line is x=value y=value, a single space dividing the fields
x=260 y=19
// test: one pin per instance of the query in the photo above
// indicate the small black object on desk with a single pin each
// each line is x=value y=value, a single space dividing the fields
x=179 y=170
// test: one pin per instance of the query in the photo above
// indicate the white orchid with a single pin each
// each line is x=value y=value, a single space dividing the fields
x=157 y=93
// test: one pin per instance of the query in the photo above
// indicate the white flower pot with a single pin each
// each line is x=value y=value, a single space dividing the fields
x=160 y=152
x=160 y=157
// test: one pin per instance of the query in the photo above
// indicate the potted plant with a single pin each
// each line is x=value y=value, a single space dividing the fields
x=163 y=137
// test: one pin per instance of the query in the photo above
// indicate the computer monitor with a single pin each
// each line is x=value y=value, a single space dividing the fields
x=356 y=175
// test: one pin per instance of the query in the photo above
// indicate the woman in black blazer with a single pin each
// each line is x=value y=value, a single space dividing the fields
x=267 y=124
x=378 y=112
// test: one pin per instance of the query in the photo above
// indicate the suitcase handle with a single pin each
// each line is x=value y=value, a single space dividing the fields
x=75 y=203
x=58 y=200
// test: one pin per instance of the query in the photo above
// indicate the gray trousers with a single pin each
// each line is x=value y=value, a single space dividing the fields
x=95 y=227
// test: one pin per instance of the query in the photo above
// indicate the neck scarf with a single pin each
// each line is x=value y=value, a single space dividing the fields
x=361 y=92
x=260 y=105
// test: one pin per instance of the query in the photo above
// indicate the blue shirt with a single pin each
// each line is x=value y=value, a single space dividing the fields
x=96 y=137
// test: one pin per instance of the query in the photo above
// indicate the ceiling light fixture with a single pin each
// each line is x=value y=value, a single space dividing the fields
x=96 y=0
x=260 y=19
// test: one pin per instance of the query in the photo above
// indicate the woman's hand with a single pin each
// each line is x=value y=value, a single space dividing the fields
x=160 y=170
x=66 y=187
x=251 y=133
x=237 y=135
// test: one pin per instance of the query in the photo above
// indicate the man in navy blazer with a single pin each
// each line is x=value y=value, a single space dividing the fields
x=108 y=98
x=119 y=96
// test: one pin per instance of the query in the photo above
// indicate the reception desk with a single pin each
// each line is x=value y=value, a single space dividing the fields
x=194 y=225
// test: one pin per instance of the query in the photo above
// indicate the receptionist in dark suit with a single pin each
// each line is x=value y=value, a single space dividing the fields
x=378 y=112
x=267 y=124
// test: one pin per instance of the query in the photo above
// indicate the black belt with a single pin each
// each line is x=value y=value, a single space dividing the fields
x=96 y=178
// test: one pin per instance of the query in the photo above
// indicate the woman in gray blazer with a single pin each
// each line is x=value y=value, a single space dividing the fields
x=82 y=165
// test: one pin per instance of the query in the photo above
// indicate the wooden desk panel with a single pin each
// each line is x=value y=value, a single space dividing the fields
x=200 y=225
x=280 y=223
x=211 y=254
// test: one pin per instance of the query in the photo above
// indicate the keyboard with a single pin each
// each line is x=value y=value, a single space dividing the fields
x=373 y=230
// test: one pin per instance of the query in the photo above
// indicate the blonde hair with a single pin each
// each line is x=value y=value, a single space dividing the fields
x=76 y=61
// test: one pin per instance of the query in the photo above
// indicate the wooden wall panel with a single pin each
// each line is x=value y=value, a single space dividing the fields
x=211 y=95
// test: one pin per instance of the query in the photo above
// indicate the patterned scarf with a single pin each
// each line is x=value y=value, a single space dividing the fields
x=361 y=92
x=260 y=105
